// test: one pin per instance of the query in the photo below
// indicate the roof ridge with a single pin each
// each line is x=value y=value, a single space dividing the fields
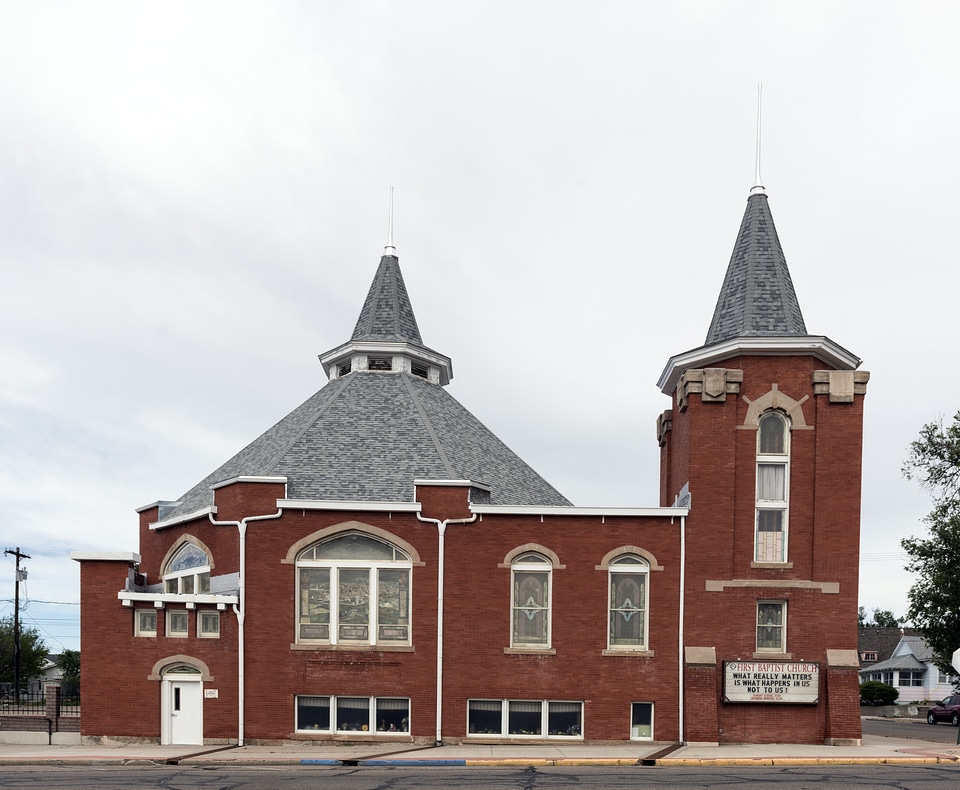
x=348 y=380
x=428 y=425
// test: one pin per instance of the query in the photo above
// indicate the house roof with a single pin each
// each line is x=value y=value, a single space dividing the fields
x=757 y=298
x=368 y=434
x=882 y=641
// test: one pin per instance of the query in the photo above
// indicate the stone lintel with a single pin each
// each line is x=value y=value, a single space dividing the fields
x=719 y=585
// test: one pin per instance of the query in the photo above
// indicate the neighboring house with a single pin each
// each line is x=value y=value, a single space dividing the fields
x=912 y=671
x=379 y=567
x=49 y=671
x=877 y=644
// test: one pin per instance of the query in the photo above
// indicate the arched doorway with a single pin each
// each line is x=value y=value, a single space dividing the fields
x=181 y=705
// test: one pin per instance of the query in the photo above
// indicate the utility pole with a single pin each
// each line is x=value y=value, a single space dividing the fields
x=16 y=615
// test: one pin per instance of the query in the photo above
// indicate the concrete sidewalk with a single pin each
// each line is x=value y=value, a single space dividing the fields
x=875 y=749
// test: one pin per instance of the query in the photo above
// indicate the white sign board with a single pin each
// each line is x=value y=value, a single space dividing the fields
x=956 y=659
x=771 y=681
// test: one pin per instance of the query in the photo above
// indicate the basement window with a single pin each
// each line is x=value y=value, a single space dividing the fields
x=374 y=715
x=518 y=718
x=380 y=363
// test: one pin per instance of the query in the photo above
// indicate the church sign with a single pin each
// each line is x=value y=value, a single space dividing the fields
x=771 y=681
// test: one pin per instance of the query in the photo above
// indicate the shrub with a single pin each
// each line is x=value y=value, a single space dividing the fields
x=873 y=692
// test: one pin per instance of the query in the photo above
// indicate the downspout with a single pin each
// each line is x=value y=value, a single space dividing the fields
x=240 y=610
x=683 y=569
x=441 y=532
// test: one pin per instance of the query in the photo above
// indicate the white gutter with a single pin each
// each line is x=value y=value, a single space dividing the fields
x=441 y=532
x=240 y=610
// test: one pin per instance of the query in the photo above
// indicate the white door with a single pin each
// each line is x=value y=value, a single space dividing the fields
x=184 y=711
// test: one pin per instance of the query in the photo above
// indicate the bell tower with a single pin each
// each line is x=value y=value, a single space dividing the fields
x=763 y=442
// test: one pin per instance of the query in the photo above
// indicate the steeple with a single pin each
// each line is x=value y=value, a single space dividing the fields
x=386 y=338
x=757 y=298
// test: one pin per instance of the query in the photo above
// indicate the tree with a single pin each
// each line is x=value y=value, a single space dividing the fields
x=32 y=652
x=934 y=599
x=881 y=618
x=69 y=663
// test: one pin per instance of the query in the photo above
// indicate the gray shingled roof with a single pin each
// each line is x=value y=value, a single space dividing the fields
x=366 y=436
x=757 y=298
x=387 y=314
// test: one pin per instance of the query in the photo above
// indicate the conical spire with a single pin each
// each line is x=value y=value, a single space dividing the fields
x=387 y=315
x=757 y=298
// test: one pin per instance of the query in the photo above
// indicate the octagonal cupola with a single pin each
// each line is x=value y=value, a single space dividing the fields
x=386 y=338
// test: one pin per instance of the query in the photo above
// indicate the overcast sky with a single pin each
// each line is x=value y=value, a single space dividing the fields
x=193 y=202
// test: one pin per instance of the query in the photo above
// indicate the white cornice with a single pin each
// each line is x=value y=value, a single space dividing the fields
x=561 y=510
x=318 y=504
x=823 y=348
x=348 y=349
x=105 y=556
x=172 y=522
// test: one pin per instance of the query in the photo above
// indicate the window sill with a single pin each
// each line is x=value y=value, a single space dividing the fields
x=628 y=652
x=355 y=648
x=529 y=651
x=772 y=565
x=773 y=656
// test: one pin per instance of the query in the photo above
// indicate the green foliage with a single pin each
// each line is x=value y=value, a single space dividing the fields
x=32 y=652
x=877 y=693
x=70 y=666
x=881 y=618
x=934 y=599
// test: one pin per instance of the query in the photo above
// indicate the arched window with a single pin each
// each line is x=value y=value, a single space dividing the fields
x=353 y=589
x=773 y=484
x=628 y=602
x=531 y=574
x=187 y=571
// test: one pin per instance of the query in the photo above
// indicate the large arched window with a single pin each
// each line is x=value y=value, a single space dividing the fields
x=628 y=602
x=187 y=571
x=773 y=487
x=531 y=574
x=353 y=589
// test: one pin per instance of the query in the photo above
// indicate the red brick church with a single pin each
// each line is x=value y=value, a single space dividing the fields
x=379 y=567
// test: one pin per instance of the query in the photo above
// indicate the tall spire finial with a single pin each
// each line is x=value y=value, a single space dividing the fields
x=758 y=188
x=390 y=249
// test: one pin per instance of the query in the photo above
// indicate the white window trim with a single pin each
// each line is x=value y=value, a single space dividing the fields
x=137 y=631
x=783 y=628
x=201 y=634
x=371 y=716
x=532 y=567
x=544 y=720
x=653 y=709
x=773 y=504
x=613 y=569
x=171 y=613
x=373 y=567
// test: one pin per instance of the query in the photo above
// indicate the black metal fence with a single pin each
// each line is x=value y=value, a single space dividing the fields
x=34 y=703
